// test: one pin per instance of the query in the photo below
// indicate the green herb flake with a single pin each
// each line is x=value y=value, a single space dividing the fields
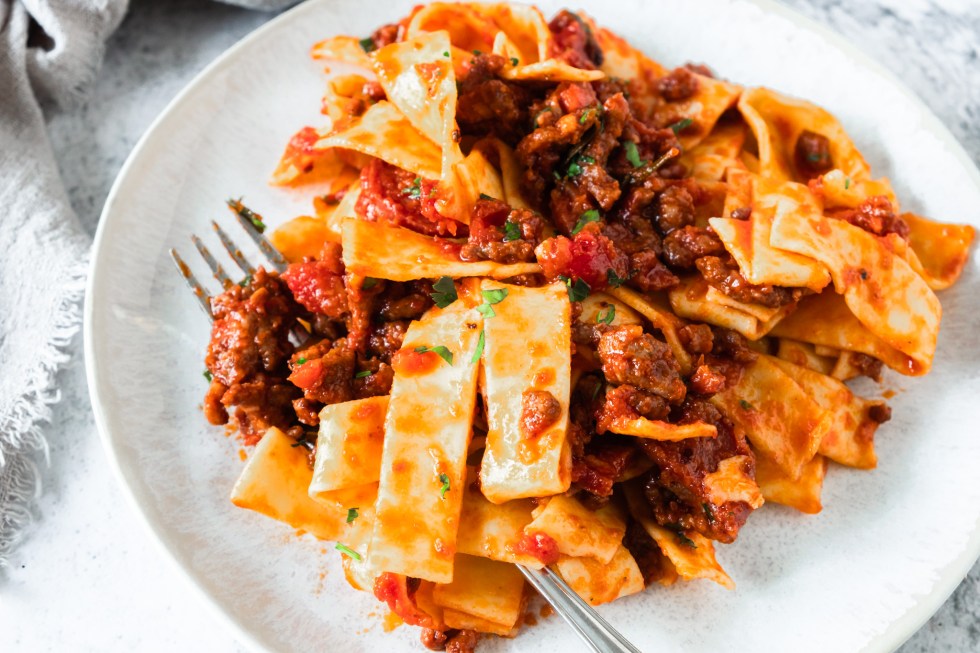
x=613 y=279
x=596 y=389
x=477 y=53
x=351 y=514
x=367 y=44
x=208 y=376
x=514 y=61
x=301 y=360
x=574 y=169
x=708 y=512
x=607 y=317
x=486 y=310
x=246 y=282
x=415 y=190
x=577 y=290
x=484 y=196
x=480 y=345
x=444 y=292
x=494 y=296
x=442 y=351
x=444 y=479
x=591 y=215
x=681 y=125
x=369 y=282
x=445 y=53
x=584 y=118
x=847 y=183
x=632 y=154
x=744 y=404
x=511 y=232
x=363 y=374
x=682 y=538
x=254 y=218
x=349 y=552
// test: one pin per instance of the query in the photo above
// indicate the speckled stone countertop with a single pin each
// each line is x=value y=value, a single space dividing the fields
x=89 y=578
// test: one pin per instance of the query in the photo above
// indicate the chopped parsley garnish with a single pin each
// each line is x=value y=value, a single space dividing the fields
x=577 y=290
x=444 y=292
x=208 y=375
x=514 y=61
x=301 y=360
x=351 y=514
x=363 y=374
x=415 y=190
x=444 y=479
x=584 y=118
x=591 y=215
x=445 y=53
x=682 y=537
x=847 y=183
x=744 y=404
x=441 y=350
x=494 y=296
x=596 y=389
x=248 y=214
x=369 y=282
x=613 y=279
x=575 y=167
x=511 y=232
x=681 y=125
x=484 y=196
x=477 y=52
x=632 y=154
x=541 y=113
x=607 y=317
x=246 y=282
x=367 y=44
x=480 y=344
x=349 y=552
x=491 y=297
x=708 y=512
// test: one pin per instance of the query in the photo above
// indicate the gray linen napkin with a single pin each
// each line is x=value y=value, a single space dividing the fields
x=50 y=51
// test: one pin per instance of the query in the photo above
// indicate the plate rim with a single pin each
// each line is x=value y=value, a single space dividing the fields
x=895 y=634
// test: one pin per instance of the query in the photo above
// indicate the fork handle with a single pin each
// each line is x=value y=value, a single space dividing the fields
x=584 y=620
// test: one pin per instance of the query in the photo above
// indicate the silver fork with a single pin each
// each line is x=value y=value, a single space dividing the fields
x=584 y=620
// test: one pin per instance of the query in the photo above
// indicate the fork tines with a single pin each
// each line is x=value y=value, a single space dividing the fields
x=275 y=259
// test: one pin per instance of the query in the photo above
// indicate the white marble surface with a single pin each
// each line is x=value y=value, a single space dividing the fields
x=88 y=578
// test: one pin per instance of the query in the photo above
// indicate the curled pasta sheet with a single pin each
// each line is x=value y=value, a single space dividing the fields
x=601 y=582
x=382 y=252
x=418 y=78
x=537 y=323
x=305 y=161
x=383 y=132
x=824 y=320
x=690 y=299
x=642 y=427
x=749 y=241
x=711 y=99
x=778 y=120
x=346 y=49
x=940 y=249
x=348 y=447
x=424 y=456
x=484 y=589
x=802 y=493
x=777 y=414
x=493 y=530
x=611 y=311
x=879 y=287
x=732 y=481
x=710 y=159
x=274 y=483
x=510 y=172
x=692 y=554
x=804 y=355
x=836 y=190
x=578 y=531
x=849 y=440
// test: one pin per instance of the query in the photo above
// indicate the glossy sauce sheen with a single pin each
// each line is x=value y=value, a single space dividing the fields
x=427 y=432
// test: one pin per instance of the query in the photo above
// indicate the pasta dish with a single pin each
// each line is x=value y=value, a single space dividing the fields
x=556 y=304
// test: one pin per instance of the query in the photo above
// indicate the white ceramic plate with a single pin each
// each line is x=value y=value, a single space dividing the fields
x=888 y=548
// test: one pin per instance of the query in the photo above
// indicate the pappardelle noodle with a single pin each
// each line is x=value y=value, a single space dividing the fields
x=557 y=304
